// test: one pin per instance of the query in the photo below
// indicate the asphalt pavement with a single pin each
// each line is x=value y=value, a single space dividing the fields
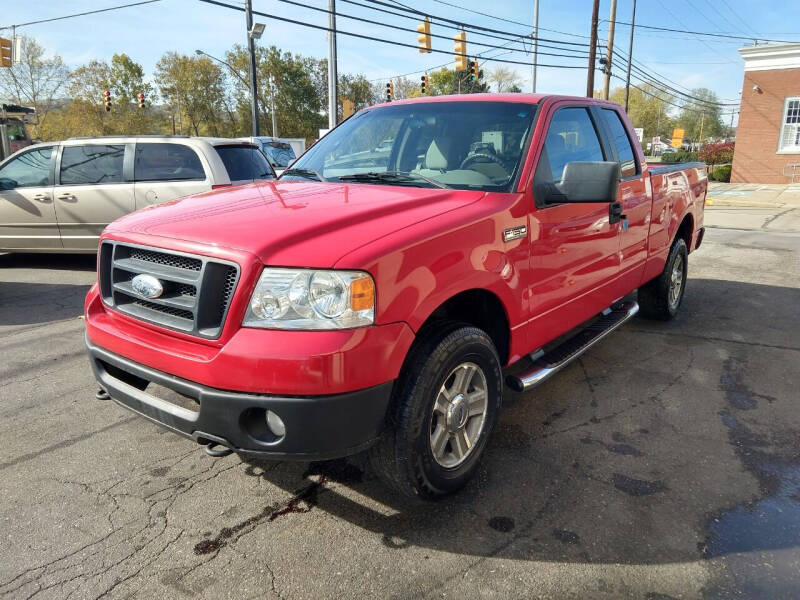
x=663 y=464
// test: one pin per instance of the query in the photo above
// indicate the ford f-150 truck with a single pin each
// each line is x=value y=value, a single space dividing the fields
x=373 y=296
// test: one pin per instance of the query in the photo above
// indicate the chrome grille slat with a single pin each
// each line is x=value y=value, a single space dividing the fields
x=197 y=294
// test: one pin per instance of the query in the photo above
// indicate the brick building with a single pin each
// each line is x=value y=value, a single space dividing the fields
x=768 y=135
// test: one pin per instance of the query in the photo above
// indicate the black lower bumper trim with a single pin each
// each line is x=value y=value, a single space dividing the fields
x=700 y=235
x=316 y=427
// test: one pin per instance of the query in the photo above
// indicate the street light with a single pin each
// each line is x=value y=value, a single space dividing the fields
x=257 y=31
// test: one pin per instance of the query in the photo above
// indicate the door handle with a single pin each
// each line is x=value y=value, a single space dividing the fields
x=42 y=197
x=66 y=196
x=615 y=213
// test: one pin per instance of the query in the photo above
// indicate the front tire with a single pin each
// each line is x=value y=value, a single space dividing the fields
x=444 y=408
x=661 y=298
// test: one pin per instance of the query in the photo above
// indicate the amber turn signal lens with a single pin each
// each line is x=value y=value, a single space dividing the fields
x=362 y=294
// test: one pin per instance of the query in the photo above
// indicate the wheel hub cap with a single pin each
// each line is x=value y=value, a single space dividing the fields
x=457 y=413
x=458 y=416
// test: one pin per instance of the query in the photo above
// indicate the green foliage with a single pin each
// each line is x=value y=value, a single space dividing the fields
x=681 y=156
x=722 y=173
x=447 y=81
x=648 y=108
x=701 y=120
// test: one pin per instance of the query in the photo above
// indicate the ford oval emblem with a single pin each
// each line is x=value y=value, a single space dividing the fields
x=147 y=286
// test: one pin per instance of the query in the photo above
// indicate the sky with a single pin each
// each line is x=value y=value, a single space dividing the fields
x=682 y=60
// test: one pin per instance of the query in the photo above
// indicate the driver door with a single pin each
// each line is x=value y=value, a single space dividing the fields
x=574 y=247
x=27 y=214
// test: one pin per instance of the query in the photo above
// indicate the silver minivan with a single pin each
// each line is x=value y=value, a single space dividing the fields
x=59 y=196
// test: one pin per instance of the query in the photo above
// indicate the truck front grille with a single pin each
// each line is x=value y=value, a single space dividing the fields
x=197 y=290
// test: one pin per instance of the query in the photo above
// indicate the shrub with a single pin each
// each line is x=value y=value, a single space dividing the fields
x=717 y=154
x=680 y=156
x=722 y=173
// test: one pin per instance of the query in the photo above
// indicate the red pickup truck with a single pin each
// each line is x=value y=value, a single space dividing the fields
x=371 y=298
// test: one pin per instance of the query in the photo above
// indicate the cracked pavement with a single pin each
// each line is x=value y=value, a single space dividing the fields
x=663 y=464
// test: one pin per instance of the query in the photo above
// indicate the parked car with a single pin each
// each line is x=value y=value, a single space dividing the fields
x=58 y=197
x=280 y=152
x=345 y=308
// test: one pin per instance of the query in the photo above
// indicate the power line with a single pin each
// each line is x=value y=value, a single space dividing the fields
x=706 y=33
x=81 y=14
x=433 y=35
x=483 y=14
x=371 y=38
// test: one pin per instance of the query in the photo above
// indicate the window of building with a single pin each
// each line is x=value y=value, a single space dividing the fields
x=790 y=126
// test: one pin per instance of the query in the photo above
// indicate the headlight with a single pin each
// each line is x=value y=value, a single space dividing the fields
x=311 y=299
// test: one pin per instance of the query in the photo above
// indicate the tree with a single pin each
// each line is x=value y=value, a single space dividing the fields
x=716 y=154
x=504 y=79
x=292 y=81
x=648 y=108
x=34 y=81
x=405 y=88
x=447 y=81
x=196 y=87
x=127 y=80
x=701 y=118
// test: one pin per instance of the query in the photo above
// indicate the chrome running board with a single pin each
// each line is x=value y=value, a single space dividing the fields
x=546 y=365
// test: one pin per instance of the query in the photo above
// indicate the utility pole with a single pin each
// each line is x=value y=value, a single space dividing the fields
x=592 y=50
x=535 y=43
x=333 y=91
x=272 y=107
x=251 y=47
x=612 y=19
x=630 y=58
x=702 y=122
x=730 y=127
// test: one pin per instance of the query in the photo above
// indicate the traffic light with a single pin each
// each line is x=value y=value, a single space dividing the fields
x=107 y=100
x=424 y=37
x=473 y=70
x=424 y=86
x=6 y=52
x=141 y=99
x=460 y=50
x=389 y=91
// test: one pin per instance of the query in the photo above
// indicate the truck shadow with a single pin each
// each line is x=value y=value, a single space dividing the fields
x=32 y=302
x=664 y=461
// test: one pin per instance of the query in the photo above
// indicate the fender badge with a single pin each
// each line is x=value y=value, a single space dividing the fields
x=515 y=233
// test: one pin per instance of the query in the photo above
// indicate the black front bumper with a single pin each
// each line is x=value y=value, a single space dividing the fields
x=316 y=427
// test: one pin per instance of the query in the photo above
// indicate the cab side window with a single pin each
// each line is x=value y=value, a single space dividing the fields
x=31 y=169
x=90 y=164
x=570 y=138
x=621 y=141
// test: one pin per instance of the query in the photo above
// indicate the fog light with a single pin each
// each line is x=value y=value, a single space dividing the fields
x=275 y=424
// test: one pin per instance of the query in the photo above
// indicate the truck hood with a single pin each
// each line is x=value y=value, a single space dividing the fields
x=309 y=224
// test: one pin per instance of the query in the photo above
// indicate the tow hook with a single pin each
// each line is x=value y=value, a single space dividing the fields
x=217 y=450
x=101 y=394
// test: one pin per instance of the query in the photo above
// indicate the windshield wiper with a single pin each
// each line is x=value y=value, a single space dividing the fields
x=307 y=173
x=390 y=177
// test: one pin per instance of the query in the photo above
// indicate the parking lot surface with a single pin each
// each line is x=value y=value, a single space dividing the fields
x=665 y=463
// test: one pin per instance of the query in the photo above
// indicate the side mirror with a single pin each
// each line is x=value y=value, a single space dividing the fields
x=582 y=182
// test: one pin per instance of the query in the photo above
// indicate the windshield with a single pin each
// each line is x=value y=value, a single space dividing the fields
x=280 y=154
x=463 y=145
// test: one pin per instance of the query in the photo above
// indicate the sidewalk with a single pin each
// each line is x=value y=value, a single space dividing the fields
x=739 y=205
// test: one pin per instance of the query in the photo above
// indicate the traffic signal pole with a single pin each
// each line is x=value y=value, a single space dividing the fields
x=592 y=50
x=535 y=43
x=251 y=47
x=333 y=91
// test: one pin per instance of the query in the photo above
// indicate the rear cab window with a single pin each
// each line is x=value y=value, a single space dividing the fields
x=167 y=162
x=622 y=143
x=244 y=162
x=91 y=164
